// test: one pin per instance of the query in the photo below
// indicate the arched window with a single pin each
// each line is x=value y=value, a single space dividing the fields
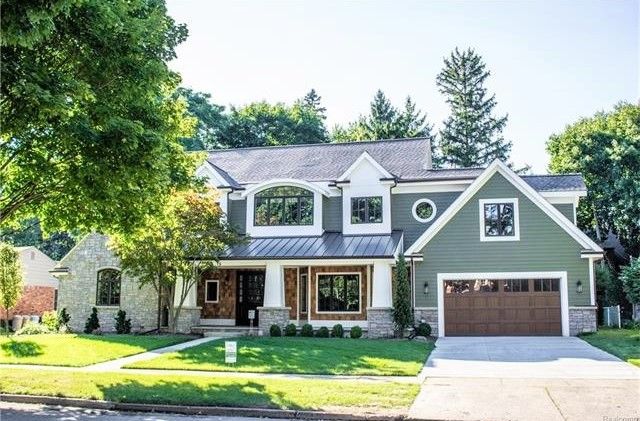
x=284 y=205
x=108 y=292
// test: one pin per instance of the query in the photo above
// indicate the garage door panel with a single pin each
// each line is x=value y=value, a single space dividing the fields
x=505 y=307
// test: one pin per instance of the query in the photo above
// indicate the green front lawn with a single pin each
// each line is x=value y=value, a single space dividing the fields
x=197 y=390
x=302 y=356
x=78 y=350
x=623 y=343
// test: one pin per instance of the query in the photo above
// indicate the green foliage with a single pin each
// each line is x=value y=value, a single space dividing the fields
x=93 y=323
x=323 y=332
x=402 y=312
x=385 y=122
x=608 y=287
x=50 y=320
x=11 y=277
x=211 y=120
x=314 y=102
x=290 y=330
x=423 y=329
x=190 y=225
x=472 y=135
x=123 y=325
x=275 y=331
x=355 y=332
x=605 y=149
x=31 y=328
x=306 y=331
x=337 y=331
x=630 y=277
x=90 y=126
x=63 y=318
x=29 y=233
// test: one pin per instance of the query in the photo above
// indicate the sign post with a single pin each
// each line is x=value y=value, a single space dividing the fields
x=252 y=316
x=230 y=352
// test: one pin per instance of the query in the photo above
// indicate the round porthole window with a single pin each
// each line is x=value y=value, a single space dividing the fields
x=424 y=210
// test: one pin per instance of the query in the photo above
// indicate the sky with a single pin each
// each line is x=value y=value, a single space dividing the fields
x=551 y=62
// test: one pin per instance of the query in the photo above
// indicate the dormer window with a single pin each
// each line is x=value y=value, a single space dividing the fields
x=366 y=210
x=283 y=205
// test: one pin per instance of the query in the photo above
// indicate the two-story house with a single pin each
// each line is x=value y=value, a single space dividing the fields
x=490 y=252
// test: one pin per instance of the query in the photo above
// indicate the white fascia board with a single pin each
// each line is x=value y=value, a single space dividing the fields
x=498 y=166
x=314 y=187
x=262 y=263
x=365 y=156
x=208 y=171
x=431 y=186
x=563 y=193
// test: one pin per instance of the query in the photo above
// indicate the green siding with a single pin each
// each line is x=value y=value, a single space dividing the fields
x=332 y=213
x=566 y=209
x=402 y=215
x=237 y=215
x=543 y=246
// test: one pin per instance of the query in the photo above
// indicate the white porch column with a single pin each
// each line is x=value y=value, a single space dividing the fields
x=274 y=285
x=190 y=300
x=381 y=296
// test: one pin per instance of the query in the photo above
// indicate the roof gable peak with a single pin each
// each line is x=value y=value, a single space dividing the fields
x=365 y=157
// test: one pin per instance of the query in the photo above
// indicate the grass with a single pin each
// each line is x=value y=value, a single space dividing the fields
x=302 y=356
x=198 y=390
x=78 y=350
x=623 y=343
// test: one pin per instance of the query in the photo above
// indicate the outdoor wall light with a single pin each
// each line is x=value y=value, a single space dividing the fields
x=426 y=288
x=579 y=287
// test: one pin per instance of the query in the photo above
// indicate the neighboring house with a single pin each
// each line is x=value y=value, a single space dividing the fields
x=40 y=288
x=490 y=252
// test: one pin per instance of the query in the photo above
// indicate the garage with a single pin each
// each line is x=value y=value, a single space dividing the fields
x=496 y=307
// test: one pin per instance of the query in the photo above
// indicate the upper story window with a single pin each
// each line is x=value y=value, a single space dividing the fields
x=108 y=291
x=284 y=205
x=499 y=220
x=366 y=210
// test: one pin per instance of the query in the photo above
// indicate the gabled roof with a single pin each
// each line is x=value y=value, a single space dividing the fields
x=365 y=157
x=524 y=187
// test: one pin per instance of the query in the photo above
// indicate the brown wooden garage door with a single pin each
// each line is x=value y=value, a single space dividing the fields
x=502 y=307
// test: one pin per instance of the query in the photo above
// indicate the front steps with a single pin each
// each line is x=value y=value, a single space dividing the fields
x=224 y=331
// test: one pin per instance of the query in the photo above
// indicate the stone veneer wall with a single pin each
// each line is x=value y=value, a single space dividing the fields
x=268 y=316
x=77 y=291
x=430 y=316
x=380 y=323
x=582 y=320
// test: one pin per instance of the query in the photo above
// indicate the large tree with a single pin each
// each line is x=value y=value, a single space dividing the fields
x=605 y=149
x=211 y=120
x=175 y=246
x=385 y=121
x=472 y=134
x=11 y=278
x=29 y=233
x=90 y=125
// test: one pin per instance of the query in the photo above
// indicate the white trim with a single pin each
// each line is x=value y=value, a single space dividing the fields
x=563 y=194
x=261 y=263
x=431 y=186
x=564 y=291
x=359 y=293
x=309 y=294
x=368 y=286
x=364 y=156
x=495 y=167
x=209 y=172
x=516 y=219
x=285 y=182
x=297 y=295
x=592 y=280
x=300 y=275
x=417 y=203
x=206 y=290
x=347 y=324
x=217 y=322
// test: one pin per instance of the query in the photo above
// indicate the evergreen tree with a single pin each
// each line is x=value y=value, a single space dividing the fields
x=314 y=102
x=472 y=135
x=402 y=315
x=93 y=323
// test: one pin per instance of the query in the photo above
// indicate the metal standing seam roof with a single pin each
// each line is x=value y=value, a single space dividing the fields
x=330 y=245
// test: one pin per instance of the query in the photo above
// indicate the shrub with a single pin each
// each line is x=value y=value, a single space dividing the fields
x=33 y=329
x=290 y=330
x=274 y=330
x=423 y=329
x=306 y=331
x=630 y=277
x=123 y=325
x=402 y=313
x=63 y=318
x=355 y=332
x=323 y=332
x=631 y=324
x=337 y=331
x=92 y=322
x=50 y=320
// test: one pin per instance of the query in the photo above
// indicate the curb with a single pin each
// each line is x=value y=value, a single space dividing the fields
x=196 y=410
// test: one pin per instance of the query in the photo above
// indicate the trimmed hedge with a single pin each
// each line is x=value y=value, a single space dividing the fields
x=274 y=330
x=337 y=331
x=355 y=332
x=290 y=330
x=323 y=332
x=307 y=330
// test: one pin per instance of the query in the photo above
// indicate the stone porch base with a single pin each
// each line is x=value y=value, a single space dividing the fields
x=582 y=320
x=268 y=316
x=429 y=315
x=380 y=323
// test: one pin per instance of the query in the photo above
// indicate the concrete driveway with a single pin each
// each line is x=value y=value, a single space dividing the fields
x=525 y=378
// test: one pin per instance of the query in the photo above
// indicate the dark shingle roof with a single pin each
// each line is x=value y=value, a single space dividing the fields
x=330 y=245
x=404 y=158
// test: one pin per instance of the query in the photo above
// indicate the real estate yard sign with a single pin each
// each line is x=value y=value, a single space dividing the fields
x=230 y=352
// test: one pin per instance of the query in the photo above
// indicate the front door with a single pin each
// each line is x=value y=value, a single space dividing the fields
x=249 y=295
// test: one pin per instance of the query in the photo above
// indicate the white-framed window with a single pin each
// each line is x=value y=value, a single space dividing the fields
x=338 y=292
x=212 y=291
x=499 y=220
x=424 y=210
